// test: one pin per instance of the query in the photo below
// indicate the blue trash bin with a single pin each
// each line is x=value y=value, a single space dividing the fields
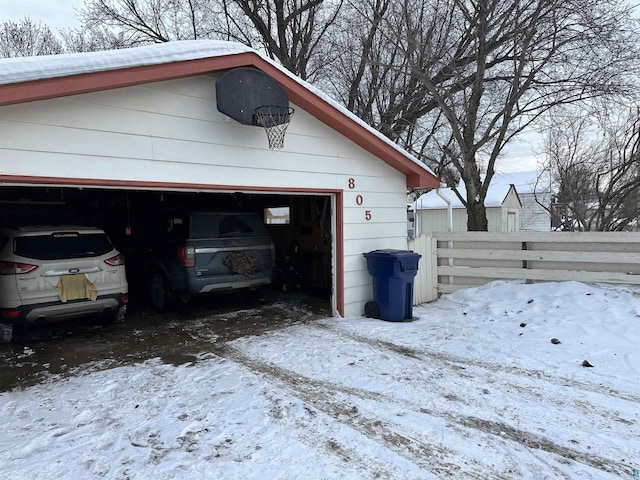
x=393 y=272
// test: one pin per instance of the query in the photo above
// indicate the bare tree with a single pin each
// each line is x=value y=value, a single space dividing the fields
x=455 y=80
x=149 y=21
x=26 y=38
x=290 y=31
x=92 y=40
x=595 y=166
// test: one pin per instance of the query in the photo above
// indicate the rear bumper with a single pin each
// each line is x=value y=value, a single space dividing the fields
x=58 y=311
x=237 y=285
x=195 y=284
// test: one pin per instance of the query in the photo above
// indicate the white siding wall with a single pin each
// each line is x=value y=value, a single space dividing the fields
x=511 y=200
x=172 y=132
x=534 y=217
x=436 y=220
x=496 y=218
x=386 y=200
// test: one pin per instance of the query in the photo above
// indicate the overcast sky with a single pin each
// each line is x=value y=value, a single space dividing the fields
x=56 y=14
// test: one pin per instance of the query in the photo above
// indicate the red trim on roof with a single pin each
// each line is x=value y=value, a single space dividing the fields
x=417 y=176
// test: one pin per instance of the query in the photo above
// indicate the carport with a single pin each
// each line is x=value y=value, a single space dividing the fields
x=105 y=136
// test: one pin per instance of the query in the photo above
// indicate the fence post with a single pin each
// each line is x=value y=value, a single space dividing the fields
x=432 y=272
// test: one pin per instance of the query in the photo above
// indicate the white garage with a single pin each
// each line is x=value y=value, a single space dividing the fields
x=113 y=132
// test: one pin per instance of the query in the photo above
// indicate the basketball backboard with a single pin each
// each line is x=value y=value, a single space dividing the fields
x=241 y=90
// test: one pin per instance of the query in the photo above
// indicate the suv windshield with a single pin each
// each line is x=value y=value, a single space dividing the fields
x=214 y=225
x=61 y=245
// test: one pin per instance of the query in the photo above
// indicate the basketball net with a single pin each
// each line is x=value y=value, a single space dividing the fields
x=275 y=120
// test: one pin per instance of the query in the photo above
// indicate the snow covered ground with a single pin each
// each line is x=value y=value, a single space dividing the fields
x=472 y=388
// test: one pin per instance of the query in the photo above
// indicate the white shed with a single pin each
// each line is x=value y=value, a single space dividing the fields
x=431 y=210
x=113 y=133
x=534 y=190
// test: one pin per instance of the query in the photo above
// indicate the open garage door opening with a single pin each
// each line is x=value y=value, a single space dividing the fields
x=299 y=226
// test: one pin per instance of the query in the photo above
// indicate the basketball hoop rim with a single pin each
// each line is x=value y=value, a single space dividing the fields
x=281 y=113
x=274 y=119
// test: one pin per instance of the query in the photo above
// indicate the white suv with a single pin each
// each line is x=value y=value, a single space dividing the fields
x=57 y=273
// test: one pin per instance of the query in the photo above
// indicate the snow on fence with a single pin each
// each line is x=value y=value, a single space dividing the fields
x=454 y=260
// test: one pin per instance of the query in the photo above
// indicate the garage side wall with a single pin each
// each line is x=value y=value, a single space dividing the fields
x=172 y=132
x=374 y=218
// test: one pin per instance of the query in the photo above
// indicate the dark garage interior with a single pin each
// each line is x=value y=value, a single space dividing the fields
x=299 y=225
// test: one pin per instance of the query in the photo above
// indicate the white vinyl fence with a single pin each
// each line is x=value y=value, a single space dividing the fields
x=454 y=260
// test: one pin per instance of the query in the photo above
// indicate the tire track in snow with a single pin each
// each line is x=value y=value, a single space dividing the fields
x=435 y=457
x=457 y=362
x=321 y=395
x=305 y=431
x=595 y=416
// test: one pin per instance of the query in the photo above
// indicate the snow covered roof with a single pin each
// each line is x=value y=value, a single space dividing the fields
x=24 y=69
x=525 y=182
x=37 y=78
x=496 y=195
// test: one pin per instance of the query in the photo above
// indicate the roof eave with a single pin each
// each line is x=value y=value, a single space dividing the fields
x=108 y=79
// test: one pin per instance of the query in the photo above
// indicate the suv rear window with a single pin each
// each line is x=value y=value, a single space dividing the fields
x=213 y=225
x=61 y=245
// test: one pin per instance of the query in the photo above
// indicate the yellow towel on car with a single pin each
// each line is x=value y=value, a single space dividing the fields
x=73 y=287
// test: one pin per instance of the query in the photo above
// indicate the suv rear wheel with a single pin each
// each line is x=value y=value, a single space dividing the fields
x=117 y=316
x=160 y=296
x=6 y=332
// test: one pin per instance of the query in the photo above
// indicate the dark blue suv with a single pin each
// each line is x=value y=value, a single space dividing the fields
x=200 y=252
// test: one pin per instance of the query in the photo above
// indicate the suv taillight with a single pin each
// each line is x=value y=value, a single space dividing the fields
x=11 y=313
x=115 y=261
x=187 y=255
x=15 y=268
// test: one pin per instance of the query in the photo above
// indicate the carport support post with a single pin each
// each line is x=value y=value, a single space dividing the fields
x=337 y=253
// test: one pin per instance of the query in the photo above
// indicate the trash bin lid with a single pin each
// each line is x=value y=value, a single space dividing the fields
x=407 y=259
x=389 y=252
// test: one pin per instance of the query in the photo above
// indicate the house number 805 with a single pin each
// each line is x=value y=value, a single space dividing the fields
x=359 y=198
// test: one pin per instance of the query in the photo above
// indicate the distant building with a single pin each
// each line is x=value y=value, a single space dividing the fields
x=534 y=190
x=429 y=213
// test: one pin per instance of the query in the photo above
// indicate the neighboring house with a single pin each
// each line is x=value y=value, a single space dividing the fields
x=534 y=190
x=429 y=213
x=119 y=133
